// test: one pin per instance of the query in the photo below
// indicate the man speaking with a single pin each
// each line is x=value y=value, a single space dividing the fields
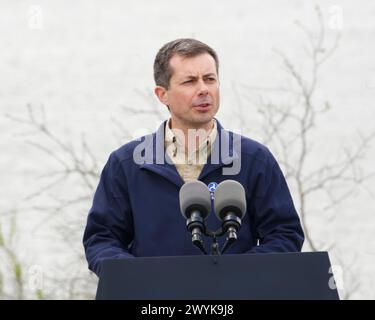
x=136 y=207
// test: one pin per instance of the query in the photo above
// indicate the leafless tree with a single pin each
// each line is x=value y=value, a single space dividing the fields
x=289 y=129
x=68 y=212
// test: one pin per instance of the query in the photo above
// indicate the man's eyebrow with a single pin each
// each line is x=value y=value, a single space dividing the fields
x=204 y=76
x=210 y=75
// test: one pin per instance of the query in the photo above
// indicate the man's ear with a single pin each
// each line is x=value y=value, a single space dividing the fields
x=162 y=94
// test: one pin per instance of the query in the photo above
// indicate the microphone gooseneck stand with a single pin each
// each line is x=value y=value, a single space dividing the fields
x=196 y=225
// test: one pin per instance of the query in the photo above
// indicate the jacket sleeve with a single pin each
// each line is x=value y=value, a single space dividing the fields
x=109 y=228
x=277 y=224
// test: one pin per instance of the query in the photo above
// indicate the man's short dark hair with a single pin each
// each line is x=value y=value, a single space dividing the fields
x=184 y=47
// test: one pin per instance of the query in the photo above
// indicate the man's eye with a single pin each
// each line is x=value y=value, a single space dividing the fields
x=212 y=79
x=188 y=81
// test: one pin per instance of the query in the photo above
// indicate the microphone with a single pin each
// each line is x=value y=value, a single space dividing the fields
x=195 y=206
x=230 y=208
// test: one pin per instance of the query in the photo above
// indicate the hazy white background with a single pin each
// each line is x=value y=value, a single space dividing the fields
x=83 y=60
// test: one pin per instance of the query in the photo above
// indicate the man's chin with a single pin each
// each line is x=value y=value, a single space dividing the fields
x=202 y=119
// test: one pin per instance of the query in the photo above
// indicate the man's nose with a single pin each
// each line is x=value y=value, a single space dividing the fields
x=202 y=87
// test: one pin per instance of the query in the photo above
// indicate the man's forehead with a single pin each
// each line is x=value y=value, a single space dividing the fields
x=190 y=66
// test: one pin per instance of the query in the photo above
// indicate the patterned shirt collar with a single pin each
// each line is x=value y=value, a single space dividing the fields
x=178 y=142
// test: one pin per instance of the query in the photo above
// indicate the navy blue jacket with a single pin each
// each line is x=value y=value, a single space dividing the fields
x=135 y=211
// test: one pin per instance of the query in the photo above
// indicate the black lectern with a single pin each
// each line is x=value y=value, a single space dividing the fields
x=225 y=277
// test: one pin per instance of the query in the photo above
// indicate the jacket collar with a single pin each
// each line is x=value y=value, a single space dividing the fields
x=223 y=154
